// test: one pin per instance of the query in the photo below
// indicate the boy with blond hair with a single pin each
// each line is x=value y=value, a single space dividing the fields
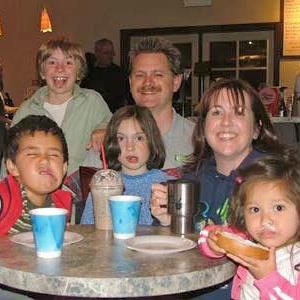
x=82 y=114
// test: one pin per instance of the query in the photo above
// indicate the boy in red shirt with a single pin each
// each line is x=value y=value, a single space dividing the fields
x=36 y=159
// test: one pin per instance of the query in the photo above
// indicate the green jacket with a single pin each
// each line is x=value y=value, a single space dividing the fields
x=85 y=112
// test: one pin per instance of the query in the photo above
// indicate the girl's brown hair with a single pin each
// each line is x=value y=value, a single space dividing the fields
x=237 y=89
x=283 y=171
x=148 y=125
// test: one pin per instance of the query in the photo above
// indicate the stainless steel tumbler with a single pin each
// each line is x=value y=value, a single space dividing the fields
x=182 y=205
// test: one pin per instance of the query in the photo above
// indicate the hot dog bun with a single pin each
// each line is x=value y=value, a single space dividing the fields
x=236 y=245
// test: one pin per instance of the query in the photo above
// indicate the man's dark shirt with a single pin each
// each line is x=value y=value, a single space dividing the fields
x=7 y=101
x=110 y=82
x=2 y=109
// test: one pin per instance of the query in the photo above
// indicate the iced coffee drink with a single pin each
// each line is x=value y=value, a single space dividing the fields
x=105 y=183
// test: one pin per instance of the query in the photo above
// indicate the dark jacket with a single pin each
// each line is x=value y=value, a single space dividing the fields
x=110 y=82
x=216 y=189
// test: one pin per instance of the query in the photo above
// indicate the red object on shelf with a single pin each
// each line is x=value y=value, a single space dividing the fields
x=270 y=97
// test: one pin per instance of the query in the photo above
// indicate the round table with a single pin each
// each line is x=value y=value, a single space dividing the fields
x=100 y=266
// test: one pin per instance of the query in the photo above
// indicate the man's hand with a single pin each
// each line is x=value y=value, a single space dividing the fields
x=97 y=138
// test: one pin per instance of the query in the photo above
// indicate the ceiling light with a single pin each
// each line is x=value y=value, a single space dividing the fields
x=45 y=21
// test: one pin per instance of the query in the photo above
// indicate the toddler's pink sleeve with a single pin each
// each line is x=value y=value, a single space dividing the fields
x=277 y=286
x=202 y=241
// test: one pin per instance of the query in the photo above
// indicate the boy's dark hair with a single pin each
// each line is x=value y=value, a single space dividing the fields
x=148 y=125
x=30 y=125
x=282 y=170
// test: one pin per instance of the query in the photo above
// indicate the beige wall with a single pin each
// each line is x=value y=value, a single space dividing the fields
x=87 y=20
x=288 y=71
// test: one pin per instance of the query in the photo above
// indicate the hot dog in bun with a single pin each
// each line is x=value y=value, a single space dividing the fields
x=236 y=245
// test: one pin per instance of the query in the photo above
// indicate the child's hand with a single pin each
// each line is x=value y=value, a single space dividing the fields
x=159 y=203
x=96 y=140
x=258 y=268
x=211 y=241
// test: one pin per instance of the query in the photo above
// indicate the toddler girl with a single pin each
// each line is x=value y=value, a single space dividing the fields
x=133 y=145
x=266 y=206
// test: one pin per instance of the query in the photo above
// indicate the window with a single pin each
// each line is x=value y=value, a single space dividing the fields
x=244 y=55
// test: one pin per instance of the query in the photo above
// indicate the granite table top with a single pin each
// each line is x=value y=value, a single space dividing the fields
x=100 y=266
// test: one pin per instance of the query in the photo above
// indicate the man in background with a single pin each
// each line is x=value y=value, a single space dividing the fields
x=155 y=75
x=105 y=77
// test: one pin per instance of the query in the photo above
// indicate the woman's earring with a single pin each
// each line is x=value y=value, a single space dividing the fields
x=257 y=130
x=255 y=135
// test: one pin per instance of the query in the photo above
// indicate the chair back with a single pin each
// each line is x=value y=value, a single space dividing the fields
x=85 y=175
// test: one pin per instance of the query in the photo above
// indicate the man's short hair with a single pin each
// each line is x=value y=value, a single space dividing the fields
x=102 y=42
x=30 y=125
x=157 y=45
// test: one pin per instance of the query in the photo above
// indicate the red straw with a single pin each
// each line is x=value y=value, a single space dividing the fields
x=103 y=157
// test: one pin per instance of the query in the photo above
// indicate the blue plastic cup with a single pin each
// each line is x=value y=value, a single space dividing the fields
x=125 y=211
x=48 y=226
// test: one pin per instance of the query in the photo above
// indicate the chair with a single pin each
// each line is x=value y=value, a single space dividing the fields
x=74 y=185
x=85 y=176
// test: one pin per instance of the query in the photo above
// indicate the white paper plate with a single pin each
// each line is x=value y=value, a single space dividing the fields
x=26 y=238
x=159 y=244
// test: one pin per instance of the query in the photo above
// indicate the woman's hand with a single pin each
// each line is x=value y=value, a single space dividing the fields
x=159 y=203
x=257 y=267
x=97 y=138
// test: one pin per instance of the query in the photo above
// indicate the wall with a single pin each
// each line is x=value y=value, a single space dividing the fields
x=88 y=20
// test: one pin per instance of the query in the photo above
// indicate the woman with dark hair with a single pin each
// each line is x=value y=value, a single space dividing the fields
x=233 y=130
x=241 y=97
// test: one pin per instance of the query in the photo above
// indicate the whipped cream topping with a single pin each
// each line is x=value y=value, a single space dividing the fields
x=107 y=178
